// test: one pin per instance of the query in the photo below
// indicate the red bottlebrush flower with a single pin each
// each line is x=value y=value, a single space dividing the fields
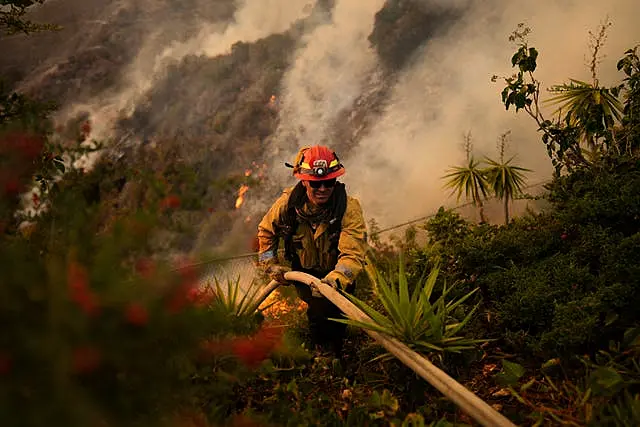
x=77 y=277
x=564 y=236
x=36 y=200
x=5 y=363
x=200 y=297
x=78 y=282
x=184 y=292
x=171 y=202
x=249 y=354
x=88 y=303
x=85 y=360
x=137 y=315
x=179 y=299
x=252 y=351
x=145 y=267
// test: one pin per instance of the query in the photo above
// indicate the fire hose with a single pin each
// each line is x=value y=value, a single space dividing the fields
x=478 y=409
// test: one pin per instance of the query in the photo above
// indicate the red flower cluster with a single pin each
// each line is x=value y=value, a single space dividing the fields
x=85 y=360
x=78 y=282
x=183 y=294
x=137 y=314
x=200 y=297
x=252 y=351
x=170 y=202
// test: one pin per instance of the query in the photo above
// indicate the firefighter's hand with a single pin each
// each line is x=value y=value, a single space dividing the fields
x=315 y=292
x=276 y=272
x=332 y=281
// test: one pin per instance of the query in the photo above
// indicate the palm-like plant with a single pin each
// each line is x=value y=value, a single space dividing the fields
x=422 y=325
x=505 y=181
x=593 y=110
x=469 y=179
x=233 y=299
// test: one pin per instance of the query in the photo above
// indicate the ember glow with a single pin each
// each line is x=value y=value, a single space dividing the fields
x=241 y=192
x=276 y=306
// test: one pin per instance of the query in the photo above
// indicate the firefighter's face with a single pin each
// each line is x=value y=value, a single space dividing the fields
x=319 y=192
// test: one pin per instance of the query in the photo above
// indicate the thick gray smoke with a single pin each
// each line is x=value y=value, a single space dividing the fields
x=446 y=91
x=396 y=163
x=328 y=73
x=253 y=20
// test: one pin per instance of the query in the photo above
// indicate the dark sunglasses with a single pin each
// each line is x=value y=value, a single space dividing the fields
x=328 y=183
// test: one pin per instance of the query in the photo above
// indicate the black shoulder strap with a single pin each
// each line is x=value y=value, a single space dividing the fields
x=289 y=224
x=335 y=224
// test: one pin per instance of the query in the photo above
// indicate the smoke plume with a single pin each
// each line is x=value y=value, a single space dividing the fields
x=396 y=170
x=396 y=162
x=251 y=21
x=327 y=75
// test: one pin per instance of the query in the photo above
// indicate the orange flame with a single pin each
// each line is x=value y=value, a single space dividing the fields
x=241 y=192
x=276 y=306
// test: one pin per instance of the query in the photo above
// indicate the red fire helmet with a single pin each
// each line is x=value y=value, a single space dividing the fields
x=317 y=163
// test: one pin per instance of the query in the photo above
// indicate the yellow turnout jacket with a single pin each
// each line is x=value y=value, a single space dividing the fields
x=313 y=247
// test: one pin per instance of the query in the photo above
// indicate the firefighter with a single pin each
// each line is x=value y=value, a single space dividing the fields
x=323 y=231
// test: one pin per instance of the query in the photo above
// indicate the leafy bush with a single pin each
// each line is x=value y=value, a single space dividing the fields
x=94 y=330
x=557 y=282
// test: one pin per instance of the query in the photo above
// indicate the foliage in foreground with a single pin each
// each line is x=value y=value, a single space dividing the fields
x=95 y=331
x=413 y=318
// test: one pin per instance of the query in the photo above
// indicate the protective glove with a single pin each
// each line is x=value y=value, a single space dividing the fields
x=332 y=279
x=276 y=272
x=315 y=292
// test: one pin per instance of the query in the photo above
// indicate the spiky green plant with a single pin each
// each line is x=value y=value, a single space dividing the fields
x=233 y=299
x=470 y=180
x=412 y=318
